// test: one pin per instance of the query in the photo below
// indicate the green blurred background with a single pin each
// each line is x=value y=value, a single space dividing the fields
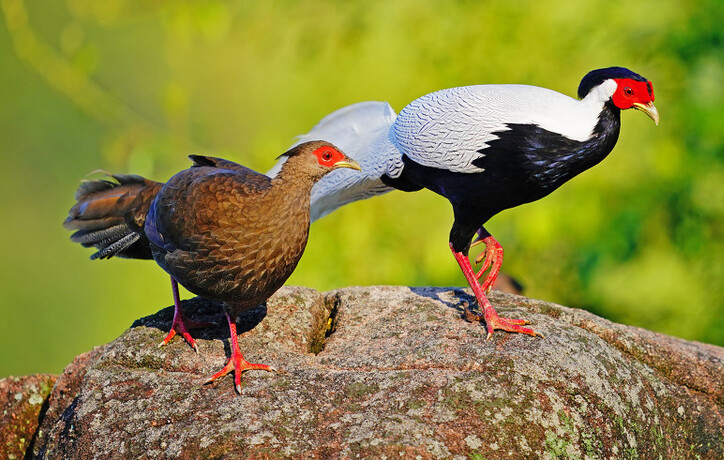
x=135 y=86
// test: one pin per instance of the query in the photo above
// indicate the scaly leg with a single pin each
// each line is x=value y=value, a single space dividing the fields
x=236 y=362
x=492 y=320
x=180 y=323
x=493 y=255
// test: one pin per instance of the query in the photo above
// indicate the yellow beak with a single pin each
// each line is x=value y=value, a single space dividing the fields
x=649 y=110
x=349 y=163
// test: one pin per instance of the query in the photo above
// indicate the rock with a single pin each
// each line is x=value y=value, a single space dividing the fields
x=22 y=400
x=391 y=372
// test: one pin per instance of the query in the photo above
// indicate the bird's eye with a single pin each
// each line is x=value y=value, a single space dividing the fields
x=327 y=155
x=628 y=91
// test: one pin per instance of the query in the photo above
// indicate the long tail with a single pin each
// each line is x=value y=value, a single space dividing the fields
x=362 y=131
x=110 y=215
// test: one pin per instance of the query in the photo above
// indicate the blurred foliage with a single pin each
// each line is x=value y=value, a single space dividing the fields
x=135 y=86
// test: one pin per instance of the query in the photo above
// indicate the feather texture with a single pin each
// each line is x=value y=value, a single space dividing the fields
x=451 y=129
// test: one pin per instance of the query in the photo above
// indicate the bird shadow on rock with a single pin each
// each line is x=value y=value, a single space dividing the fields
x=452 y=297
x=205 y=311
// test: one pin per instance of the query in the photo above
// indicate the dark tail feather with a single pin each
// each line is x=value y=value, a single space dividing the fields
x=110 y=215
x=117 y=247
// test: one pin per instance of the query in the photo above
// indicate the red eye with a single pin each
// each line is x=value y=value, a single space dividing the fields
x=628 y=91
x=327 y=155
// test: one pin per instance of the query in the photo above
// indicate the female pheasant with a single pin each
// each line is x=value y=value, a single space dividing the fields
x=223 y=231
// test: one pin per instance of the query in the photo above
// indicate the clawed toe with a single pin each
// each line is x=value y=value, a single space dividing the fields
x=236 y=361
x=494 y=322
x=184 y=333
x=468 y=315
x=238 y=365
x=180 y=324
x=504 y=324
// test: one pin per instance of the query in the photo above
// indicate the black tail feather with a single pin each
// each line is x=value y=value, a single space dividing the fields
x=117 y=247
x=92 y=237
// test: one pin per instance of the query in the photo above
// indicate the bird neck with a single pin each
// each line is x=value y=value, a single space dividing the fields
x=602 y=141
x=293 y=182
x=296 y=173
x=552 y=167
x=293 y=193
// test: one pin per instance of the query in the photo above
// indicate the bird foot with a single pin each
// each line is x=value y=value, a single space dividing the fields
x=494 y=322
x=238 y=364
x=181 y=325
x=491 y=318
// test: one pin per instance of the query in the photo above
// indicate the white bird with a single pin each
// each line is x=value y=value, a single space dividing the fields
x=485 y=148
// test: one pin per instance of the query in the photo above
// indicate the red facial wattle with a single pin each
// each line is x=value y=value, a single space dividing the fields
x=634 y=94
x=629 y=92
x=328 y=156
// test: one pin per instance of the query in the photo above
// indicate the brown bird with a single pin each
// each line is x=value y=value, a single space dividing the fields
x=225 y=232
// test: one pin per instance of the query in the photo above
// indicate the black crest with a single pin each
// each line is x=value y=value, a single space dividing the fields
x=596 y=77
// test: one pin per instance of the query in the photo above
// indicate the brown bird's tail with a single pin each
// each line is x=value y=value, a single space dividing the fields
x=110 y=215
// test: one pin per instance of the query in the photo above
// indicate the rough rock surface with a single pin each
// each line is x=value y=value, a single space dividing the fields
x=21 y=405
x=398 y=375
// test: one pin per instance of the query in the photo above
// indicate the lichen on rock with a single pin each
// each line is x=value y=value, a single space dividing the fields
x=21 y=407
x=368 y=372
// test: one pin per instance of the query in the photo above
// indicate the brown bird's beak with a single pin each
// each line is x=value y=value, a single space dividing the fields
x=348 y=163
x=649 y=110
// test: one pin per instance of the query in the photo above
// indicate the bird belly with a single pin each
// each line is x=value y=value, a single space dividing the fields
x=240 y=272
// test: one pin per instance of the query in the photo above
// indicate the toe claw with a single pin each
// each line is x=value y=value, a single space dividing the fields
x=479 y=258
x=468 y=315
x=168 y=337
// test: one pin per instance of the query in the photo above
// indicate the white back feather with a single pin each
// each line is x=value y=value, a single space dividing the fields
x=448 y=129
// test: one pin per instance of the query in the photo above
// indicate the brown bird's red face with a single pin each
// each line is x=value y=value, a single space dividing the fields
x=314 y=159
x=634 y=94
x=328 y=156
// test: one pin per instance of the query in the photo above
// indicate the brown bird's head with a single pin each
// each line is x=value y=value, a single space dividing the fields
x=312 y=160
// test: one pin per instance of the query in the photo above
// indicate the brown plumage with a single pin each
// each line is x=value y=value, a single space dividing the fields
x=223 y=231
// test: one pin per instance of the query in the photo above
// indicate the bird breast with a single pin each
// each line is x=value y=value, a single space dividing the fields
x=238 y=249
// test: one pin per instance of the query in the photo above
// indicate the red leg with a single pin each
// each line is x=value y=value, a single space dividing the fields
x=236 y=362
x=493 y=255
x=180 y=323
x=492 y=320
